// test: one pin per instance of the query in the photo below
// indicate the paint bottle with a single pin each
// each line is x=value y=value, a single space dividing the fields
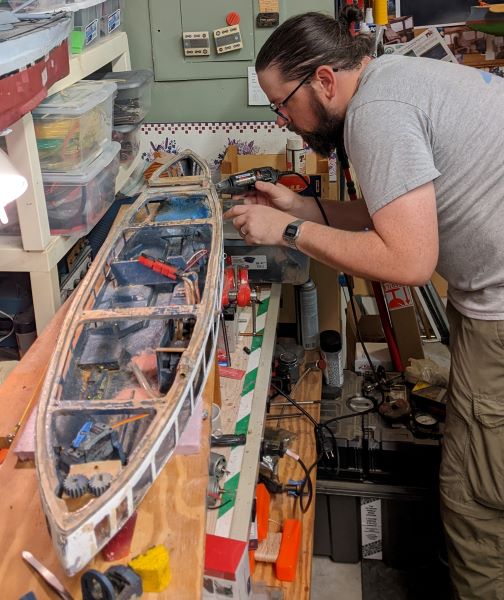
x=295 y=155
x=330 y=349
x=307 y=315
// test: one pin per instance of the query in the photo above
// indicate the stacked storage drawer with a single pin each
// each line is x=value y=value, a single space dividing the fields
x=78 y=159
x=131 y=105
x=91 y=19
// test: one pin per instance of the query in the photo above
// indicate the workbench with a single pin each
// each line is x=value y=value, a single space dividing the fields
x=174 y=511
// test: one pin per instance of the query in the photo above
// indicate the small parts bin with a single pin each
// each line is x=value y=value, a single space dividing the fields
x=73 y=126
x=129 y=138
x=111 y=17
x=133 y=99
x=91 y=19
x=77 y=200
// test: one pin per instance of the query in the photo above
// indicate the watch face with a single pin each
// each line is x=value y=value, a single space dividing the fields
x=291 y=230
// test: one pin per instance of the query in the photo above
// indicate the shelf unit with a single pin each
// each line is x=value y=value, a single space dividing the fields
x=36 y=251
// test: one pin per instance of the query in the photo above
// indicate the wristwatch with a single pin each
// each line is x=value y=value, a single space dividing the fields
x=291 y=233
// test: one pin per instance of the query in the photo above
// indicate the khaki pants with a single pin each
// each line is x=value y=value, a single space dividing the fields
x=472 y=467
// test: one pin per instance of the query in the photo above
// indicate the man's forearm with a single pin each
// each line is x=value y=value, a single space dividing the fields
x=349 y=216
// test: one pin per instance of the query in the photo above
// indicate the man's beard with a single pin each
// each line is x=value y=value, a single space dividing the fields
x=329 y=128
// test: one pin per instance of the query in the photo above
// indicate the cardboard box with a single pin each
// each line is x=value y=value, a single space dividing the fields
x=370 y=328
x=227 y=571
x=378 y=353
x=403 y=319
x=315 y=165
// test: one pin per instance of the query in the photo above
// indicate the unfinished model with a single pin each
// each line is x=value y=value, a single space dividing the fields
x=131 y=360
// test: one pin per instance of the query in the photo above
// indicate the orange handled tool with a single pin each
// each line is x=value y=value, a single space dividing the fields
x=159 y=266
x=287 y=560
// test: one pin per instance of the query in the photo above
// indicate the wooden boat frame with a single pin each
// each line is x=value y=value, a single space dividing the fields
x=78 y=535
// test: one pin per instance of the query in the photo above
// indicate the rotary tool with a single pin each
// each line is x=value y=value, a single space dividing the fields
x=246 y=180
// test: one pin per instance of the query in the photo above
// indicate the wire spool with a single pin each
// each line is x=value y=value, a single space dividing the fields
x=269 y=548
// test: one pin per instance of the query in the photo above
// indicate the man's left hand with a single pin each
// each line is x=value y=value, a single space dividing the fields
x=259 y=225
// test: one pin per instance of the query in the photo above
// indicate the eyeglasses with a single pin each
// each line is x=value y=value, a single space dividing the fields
x=276 y=107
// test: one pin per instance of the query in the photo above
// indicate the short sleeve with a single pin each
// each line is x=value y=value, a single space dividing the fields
x=390 y=146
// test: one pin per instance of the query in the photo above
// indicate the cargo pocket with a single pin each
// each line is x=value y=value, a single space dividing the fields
x=485 y=466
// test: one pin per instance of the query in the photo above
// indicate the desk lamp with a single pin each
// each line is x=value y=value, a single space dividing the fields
x=12 y=185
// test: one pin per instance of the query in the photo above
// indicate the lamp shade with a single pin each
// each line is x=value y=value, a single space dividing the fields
x=12 y=184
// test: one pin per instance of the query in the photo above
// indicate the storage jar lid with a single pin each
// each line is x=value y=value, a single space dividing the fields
x=79 y=177
x=127 y=128
x=130 y=79
x=330 y=340
x=75 y=100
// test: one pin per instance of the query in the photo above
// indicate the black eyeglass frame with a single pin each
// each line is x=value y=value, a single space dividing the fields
x=276 y=107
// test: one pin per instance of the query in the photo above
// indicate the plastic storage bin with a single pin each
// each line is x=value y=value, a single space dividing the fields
x=73 y=126
x=269 y=264
x=38 y=5
x=77 y=200
x=86 y=26
x=111 y=19
x=133 y=98
x=86 y=18
x=129 y=138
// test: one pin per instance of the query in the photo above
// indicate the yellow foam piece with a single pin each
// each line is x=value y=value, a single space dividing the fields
x=154 y=568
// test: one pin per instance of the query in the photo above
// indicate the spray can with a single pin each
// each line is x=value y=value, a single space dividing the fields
x=330 y=349
x=295 y=155
x=307 y=309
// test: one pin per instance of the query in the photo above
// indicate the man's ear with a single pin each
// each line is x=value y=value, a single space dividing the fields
x=326 y=79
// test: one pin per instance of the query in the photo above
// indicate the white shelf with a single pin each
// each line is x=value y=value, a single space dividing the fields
x=38 y=252
x=113 y=49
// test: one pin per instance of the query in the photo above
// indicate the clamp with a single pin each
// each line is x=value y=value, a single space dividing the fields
x=236 y=292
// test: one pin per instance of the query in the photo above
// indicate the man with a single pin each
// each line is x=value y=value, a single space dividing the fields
x=425 y=138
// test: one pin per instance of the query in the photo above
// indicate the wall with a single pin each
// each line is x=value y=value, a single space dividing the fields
x=182 y=91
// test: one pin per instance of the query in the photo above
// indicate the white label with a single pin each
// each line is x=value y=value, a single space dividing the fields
x=254 y=263
x=91 y=31
x=256 y=97
x=114 y=21
x=371 y=528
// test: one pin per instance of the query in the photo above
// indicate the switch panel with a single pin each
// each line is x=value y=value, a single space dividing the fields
x=227 y=39
x=196 y=43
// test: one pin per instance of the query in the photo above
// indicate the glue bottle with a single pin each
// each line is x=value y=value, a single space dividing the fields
x=295 y=155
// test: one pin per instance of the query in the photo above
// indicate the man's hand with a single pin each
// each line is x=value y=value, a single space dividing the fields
x=259 y=224
x=273 y=195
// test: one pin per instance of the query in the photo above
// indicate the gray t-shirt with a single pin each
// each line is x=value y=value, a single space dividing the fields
x=415 y=120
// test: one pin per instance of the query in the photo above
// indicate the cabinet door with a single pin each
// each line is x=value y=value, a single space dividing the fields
x=201 y=88
x=169 y=20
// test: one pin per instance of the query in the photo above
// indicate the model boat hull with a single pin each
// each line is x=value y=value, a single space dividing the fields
x=131 y=361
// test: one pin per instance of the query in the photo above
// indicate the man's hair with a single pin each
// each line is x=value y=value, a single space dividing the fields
x=306 y=41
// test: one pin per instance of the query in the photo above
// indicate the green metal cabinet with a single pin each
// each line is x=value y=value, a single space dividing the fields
x=201 y=88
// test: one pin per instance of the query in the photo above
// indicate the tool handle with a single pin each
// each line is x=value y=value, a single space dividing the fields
x=238 y=439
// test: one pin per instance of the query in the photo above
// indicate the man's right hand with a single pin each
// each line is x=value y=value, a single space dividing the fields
x=274 y=195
